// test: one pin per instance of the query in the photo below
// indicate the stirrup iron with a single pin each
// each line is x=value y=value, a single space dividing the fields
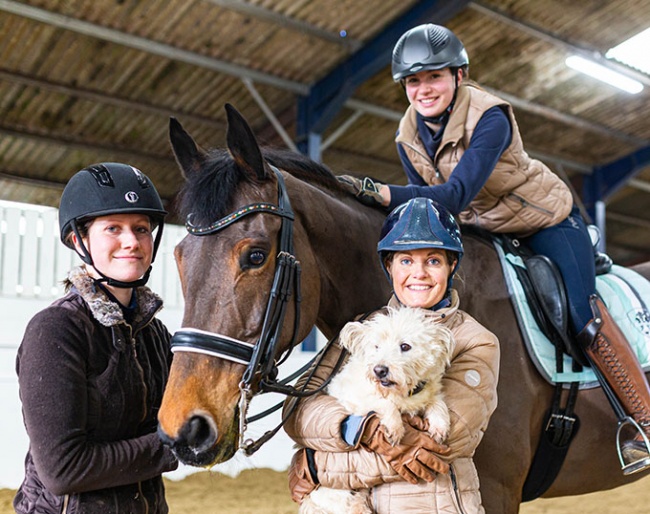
x=632 y=466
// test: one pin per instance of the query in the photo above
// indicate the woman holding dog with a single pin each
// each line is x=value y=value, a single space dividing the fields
x=460 y=146
x=93 y=365
x=420 y=250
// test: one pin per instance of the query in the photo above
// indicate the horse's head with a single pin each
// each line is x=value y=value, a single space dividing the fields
x=241 y=281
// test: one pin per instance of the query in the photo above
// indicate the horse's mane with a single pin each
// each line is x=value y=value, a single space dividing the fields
x=481 y=234
x=207 y=193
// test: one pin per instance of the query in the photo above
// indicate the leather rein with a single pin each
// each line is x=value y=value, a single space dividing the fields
x=260 y=359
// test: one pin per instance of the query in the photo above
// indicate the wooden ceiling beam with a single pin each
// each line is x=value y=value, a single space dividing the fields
x=98 y=96
x=81 y=145
x=263 y=13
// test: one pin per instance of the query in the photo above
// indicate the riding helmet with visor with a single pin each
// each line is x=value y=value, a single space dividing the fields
x=103 y=189
x=427 y=47
x=420 y=223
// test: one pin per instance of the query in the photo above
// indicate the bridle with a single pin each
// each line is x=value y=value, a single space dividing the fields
x=261 y=358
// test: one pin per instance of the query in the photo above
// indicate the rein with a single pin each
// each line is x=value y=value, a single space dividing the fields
x=260 y=358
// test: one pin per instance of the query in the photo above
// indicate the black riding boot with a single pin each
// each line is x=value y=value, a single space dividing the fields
x=608 y=349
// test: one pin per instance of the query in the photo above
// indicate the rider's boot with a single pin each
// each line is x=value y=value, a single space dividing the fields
x=609 y=350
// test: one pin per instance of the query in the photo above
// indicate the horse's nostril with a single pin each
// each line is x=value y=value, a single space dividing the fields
x=198 y=433
x=380 y=371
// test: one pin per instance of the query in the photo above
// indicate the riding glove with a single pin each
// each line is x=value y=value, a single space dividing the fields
x=365 y=189
x=303 y=476
x=414 y=457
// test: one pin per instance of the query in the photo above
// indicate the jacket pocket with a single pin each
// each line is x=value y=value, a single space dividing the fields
x=527 y=204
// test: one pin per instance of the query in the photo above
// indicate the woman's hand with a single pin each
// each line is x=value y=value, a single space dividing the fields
x=301 y=475
x=368 y=191
x=415 y=457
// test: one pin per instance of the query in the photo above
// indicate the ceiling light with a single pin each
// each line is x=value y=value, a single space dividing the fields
x=633 y=52
x=604 y=74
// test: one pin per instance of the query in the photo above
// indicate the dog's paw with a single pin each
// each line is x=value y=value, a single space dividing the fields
x=439 y=433
x=394 y=432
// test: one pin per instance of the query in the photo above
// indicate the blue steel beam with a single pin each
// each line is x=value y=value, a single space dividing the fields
x=327 y=96
x=605 y=180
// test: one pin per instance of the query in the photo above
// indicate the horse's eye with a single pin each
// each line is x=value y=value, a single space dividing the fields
x=405 y=347
x=256 y=258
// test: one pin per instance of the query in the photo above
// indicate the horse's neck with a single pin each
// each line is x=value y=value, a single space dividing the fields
x=343 y=236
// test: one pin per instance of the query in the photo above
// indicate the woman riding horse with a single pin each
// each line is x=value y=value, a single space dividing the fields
x=420 y=250
x=460 y=146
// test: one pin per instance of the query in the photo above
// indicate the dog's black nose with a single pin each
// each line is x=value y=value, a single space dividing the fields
x=381 y=371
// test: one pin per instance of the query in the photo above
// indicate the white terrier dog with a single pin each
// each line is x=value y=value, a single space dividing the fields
x=396 y=365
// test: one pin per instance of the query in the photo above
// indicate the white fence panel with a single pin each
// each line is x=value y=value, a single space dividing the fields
x=48 y=241
x=10 y=251
x=30 y=226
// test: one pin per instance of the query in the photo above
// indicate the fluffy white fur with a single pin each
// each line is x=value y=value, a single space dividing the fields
x=391 y=356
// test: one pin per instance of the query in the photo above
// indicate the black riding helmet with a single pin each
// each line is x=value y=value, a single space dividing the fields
x=427 y=47
x=109 y=188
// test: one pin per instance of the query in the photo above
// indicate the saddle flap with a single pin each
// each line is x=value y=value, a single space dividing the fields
x=549 y=288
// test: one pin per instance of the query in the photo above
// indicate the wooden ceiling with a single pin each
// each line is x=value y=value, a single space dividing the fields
x=96 y=80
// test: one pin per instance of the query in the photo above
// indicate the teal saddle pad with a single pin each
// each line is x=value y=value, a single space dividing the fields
x=626 y=294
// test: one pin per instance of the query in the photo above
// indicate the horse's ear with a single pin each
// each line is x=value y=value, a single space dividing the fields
x=189 y=156
x=242 y=144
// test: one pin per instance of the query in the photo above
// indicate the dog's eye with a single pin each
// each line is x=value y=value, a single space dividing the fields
x=405 y=347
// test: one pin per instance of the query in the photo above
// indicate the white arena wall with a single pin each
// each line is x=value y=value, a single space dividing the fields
x=33 y=263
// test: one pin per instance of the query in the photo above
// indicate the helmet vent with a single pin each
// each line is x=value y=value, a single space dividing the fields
x=437 y=39
x=101 y=175
x=142 y=180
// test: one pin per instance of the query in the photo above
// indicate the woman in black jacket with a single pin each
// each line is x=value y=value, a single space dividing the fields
x=92 y=366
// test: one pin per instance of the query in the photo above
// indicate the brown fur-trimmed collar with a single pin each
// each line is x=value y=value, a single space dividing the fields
x=107 y=312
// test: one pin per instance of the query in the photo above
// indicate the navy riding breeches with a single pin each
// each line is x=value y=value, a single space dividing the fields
x=568 y=245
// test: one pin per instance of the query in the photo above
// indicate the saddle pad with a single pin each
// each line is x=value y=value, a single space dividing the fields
x=626 y=294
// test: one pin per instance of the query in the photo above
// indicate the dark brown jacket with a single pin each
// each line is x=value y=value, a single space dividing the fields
x=91 y=385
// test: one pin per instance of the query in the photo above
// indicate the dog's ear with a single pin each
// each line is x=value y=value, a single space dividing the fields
x=351 y=335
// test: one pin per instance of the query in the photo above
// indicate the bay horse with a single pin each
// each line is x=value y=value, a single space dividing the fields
x=228 y=266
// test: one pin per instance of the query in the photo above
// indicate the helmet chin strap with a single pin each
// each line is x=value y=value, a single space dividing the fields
x=87 y=258
x=118 y=283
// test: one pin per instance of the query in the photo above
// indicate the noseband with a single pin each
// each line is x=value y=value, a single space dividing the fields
x=260 y=358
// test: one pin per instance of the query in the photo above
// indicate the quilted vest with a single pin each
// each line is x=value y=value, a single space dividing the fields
x=521 y=196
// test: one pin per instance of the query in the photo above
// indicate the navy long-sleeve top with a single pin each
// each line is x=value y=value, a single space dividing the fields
x=491 y=137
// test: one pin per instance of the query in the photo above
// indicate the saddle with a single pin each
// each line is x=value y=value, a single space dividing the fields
x=546 y=295
x=546 y=300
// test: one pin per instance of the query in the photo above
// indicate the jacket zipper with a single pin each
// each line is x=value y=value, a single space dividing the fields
x=526 y=203
x=456 y=495
x=428 y=158
x=132 y=337
x=66 y=503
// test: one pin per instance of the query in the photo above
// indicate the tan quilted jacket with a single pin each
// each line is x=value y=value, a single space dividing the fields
x=471 y=395
x=521 y=196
